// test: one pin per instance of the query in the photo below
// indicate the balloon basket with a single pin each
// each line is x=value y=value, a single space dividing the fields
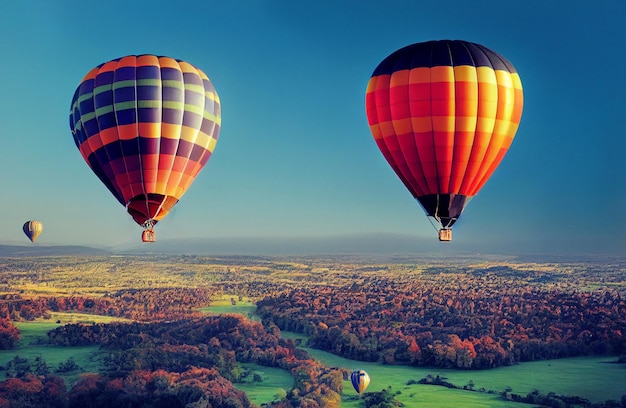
x=445 y=235
x=148 y=236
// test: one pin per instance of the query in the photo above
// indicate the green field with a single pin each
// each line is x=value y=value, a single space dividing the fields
x=595 y=378
x=424 y=396
x=29 y=346
x=275 y=381
x=223 y=304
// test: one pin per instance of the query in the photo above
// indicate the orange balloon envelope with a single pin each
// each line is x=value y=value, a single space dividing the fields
x=443 y=114
x=32 y=229
x=146 y=125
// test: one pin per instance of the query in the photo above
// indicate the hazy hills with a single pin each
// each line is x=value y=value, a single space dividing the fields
x=371 y=244
x=361 y=245
x=49 y=250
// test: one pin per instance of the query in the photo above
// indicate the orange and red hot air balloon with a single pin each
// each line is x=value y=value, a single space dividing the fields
x=444 y=113
x=146 y=125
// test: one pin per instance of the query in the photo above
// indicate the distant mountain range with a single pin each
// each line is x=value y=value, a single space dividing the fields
x=355 y=244
x=360 y=245
x=49 y=250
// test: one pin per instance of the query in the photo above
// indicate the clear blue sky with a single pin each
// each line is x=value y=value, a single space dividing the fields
x=295 y=156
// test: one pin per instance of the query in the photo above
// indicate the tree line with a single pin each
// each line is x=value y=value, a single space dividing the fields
x=185 y=363
x=146 y=304
x=475 y=322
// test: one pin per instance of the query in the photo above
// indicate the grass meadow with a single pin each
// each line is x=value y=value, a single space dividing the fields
x=30 y=346
x=223 y=305
x=594 y=378
x=273 y=385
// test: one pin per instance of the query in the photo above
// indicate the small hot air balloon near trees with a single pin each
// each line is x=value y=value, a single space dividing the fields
x=360 y=380
x=146 y=125
x=32 y=229
x=444 y=113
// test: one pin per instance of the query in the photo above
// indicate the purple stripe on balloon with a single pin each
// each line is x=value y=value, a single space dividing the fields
x=118 y=166
x=168 y=146
x=125 y=74
x=205 y=158
x=196 y=153
x=171 y=74
x=192 y=78
x=133 y=163
x=184 y=148
x=103 y=99
x=124 y=94
x=209 y=127
x=192 y=120
x=208 y=86
x=148 y=145
x=174 y=116
x=149 y=93
x=107 y=121
x=104 y=78
x=149 y=115
x=129 y=147
x=194 y=98
x=126 y=117
x=172 y=94
x=91 y=127
x=148 y=72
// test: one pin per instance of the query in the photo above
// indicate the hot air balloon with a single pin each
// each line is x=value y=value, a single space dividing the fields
x=146 y=125
x=360 y=380
x=444 y=113
x=32 y=229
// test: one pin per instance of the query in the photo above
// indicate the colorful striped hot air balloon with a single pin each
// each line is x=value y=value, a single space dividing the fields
x=443 y=114
x=146 y=125
x=32 y=229
x=360 y=380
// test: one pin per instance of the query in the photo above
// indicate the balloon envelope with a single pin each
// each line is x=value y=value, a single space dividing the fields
x=32 y=229
x=146 y=125
x=443 y=114
x=360 y=380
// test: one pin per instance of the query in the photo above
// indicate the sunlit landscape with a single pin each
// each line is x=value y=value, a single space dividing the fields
x=286 y=331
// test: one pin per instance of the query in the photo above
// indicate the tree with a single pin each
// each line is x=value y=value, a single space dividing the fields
x=9 y=334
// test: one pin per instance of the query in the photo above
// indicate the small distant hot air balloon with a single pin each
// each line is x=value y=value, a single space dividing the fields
x=360 y=380
x=32 y=229
x=146 y=125
x=443 y=114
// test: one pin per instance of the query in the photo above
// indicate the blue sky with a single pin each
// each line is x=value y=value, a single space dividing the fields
x=295 y=156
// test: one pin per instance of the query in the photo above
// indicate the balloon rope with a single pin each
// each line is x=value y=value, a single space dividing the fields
x=436 y=216
x=432 y=223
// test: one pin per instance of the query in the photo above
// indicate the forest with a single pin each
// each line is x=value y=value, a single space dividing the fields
x=477 y=321
x=470 y=314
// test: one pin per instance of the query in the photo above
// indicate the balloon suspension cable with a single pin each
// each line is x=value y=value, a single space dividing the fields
x=430 y=219
x=436 y=216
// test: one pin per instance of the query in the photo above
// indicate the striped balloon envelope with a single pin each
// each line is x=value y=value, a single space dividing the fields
x=32 y=229
x=146 y=125
x=443 y=114
x=360 y=380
